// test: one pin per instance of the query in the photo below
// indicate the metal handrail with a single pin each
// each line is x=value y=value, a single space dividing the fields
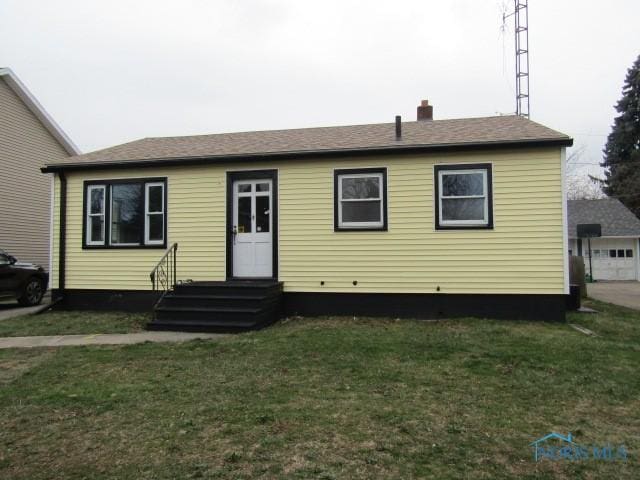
x=163 y=275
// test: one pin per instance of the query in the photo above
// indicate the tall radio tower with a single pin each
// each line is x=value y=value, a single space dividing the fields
x=521 y=18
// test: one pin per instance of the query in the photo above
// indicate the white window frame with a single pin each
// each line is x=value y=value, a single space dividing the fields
x=90 y=215
x=362 y=225
x=465 y=223
x=147 y=213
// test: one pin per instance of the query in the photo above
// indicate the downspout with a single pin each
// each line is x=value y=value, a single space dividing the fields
x=62 y=248
x=52 y=203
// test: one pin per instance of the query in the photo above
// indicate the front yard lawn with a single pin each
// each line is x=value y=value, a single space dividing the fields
x=329 y=398
x=68 y=323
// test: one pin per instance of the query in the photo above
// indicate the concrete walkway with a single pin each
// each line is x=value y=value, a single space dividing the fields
x=625 y=294
x=104 y=339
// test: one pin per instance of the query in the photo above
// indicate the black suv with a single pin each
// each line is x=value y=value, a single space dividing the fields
x=25 y=282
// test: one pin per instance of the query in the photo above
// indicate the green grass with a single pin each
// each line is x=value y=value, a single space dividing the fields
x=328 y=398
x=67 y=323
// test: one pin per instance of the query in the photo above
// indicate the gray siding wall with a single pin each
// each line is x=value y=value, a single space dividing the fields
x=25 y=197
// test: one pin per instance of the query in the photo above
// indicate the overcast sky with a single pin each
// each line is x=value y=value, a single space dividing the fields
x=114 y=71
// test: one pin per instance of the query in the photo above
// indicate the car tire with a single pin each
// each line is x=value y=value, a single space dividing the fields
x=32 y=293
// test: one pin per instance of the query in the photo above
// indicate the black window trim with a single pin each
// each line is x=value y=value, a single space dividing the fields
x=107 y=213
x=436 y=189
x=358 y=171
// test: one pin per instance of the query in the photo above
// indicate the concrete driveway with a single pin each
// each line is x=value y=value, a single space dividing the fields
x=10 y=310
x=626 y=294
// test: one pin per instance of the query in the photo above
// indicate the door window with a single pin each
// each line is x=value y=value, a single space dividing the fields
x=244 y=214
x=262 y=213
x=254 y=207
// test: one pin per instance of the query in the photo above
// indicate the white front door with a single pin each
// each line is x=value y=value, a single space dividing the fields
x=253 y=228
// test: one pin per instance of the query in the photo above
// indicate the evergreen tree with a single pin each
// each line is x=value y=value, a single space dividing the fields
x=622 y=151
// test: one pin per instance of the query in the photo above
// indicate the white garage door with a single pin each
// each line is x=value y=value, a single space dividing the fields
x=613 y=259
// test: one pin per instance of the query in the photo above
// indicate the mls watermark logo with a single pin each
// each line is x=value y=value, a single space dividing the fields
x=554 y=446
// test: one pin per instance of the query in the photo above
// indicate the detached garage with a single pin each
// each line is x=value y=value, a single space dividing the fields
x=614 y=256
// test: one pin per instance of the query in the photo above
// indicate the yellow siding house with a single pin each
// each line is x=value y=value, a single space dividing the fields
x=420 y=219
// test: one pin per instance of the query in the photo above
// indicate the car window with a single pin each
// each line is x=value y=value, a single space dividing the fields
x=4 y=260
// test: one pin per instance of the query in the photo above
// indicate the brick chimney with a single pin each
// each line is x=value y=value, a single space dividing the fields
x=425 y=111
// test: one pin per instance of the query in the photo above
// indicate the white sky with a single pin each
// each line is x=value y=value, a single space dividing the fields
x=114 y=71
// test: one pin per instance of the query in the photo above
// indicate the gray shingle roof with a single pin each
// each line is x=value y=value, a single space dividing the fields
x=438 y=133
x=616 y=219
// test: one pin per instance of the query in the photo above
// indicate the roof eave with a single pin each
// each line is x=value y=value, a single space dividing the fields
x=405 y=149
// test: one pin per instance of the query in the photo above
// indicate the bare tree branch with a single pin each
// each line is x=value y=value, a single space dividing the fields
x=580 y=184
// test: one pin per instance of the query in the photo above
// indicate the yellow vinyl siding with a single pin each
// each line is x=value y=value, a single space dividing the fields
x=522 y=254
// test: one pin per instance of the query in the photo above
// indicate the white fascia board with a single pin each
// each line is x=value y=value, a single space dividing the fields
x=38 y=110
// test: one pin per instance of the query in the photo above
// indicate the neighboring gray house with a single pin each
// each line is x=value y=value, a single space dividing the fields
x=29 y=138
x=614 y=256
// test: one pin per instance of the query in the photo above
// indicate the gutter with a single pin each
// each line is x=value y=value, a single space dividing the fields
x=290 y=155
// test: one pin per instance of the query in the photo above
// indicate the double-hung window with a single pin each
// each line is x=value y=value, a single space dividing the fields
x=463 y=196
x=154 y=213
x=360 y=197
x=95 y=200
x=125 y=213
